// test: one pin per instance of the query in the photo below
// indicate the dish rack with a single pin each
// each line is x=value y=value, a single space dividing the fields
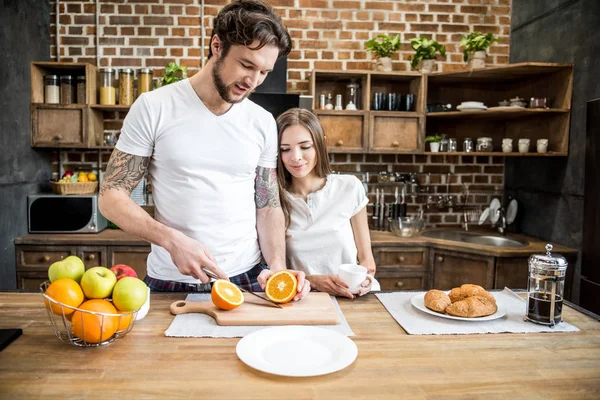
x=61 y=323
x=475 y=201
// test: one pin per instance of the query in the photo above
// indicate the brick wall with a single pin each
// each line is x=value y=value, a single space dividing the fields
x=327 y=34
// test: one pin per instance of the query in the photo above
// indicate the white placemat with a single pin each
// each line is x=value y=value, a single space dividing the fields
x=416 y=322
x=201 y=325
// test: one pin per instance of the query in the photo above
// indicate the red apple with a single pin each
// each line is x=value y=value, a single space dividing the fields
x=67 y=174
x=122 y=270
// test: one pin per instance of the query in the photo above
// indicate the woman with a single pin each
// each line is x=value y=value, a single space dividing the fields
x=325 y=214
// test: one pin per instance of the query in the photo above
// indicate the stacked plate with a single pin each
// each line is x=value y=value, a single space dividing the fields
x=471 y=106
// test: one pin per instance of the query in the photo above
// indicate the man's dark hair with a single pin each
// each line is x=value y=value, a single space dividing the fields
x=245 y=21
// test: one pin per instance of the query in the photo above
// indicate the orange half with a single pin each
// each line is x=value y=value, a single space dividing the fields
x=281 y=286
x=225 y=295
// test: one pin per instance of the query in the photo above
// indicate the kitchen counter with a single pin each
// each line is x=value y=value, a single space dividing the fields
x=118 y=237
x=390 y=363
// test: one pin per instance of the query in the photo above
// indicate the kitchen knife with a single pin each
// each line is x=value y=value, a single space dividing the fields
x=212 y=275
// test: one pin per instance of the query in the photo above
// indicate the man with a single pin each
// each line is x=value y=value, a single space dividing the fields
x=211 y=156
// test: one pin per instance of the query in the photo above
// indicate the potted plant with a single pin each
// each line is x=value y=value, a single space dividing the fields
x=173 y=73
x=434 y=142
x=383 y=47
x=426 y=51
x=474 y=47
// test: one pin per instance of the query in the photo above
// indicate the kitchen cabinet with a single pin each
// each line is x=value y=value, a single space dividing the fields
x=401 y=268
x=453 y=268
x=85 y=125
x=34 y=260
x=405 y=131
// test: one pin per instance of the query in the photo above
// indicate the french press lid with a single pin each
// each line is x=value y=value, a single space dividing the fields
x=548 y=262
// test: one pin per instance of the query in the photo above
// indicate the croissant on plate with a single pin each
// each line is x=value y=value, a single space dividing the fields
x=437 y=300
x=472 y=307
x=468 y=301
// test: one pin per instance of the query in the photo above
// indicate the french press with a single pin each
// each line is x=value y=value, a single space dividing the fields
x=545 y=288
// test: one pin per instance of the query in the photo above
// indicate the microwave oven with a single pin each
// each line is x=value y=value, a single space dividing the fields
x=53 y=213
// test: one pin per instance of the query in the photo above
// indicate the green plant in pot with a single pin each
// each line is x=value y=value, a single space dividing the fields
x=474 y=47
x=173 y=73
x=426 y=52
x=434 y=142
x=383 y=47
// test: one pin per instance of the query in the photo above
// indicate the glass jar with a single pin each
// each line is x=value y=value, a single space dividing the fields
x=467 y=145
x=51 y=89
x=545 y=288
x=485 y=144
x=126 y=87
x=444 y=143
x=81 y=89
x=329 y=103
x=452 y=145
x=144 y=80
x=66 y=89
x=108 y=93
x=353 y=95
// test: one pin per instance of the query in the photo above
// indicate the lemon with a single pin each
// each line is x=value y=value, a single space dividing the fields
x=92 y=177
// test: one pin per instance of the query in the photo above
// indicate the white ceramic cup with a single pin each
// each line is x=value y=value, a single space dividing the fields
x=507 y=148
x=524 y=145
x=542 y=145
x=354 y=275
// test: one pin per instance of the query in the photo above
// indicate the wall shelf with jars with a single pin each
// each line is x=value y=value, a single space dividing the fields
x=80 y=93
x=519 y=109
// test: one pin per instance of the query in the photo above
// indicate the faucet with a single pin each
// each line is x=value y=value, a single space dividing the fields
x=501 y=221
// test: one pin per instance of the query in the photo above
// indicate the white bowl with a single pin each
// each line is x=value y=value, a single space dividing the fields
x=471 y=104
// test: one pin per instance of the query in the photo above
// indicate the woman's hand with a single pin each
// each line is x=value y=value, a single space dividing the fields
x=331 y=284
x=365 y=287
x=303 y=284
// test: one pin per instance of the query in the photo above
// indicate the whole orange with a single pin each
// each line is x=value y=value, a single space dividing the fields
x=124 y=321
x=68 y=292
x=94 y=328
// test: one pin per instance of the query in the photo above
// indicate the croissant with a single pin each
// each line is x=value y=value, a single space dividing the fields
x=472 y=307
x=469 y=290
x=437 y=300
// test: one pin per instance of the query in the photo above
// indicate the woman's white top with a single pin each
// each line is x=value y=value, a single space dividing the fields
x=320 y=237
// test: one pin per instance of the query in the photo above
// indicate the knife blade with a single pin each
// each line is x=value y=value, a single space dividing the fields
x=212 y=275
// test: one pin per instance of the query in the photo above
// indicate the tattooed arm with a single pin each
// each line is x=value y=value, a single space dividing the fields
x=270 y=225
x=123 y=173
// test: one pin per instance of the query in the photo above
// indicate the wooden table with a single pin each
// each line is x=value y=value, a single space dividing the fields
x=390 y=364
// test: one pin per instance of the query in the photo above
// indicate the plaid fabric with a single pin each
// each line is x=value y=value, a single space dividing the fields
x=247 y=280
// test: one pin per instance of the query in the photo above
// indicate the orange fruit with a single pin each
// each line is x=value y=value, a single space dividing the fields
x=95 y=328
x=225 y=295
x=68 y=292
x=281 y=286
x=124 y=321
x=82 y=177
x=92 y=177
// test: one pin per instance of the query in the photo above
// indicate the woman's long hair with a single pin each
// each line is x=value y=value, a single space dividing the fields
x=308 y=120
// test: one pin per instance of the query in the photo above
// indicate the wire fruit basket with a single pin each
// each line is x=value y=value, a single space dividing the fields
x=63 y=318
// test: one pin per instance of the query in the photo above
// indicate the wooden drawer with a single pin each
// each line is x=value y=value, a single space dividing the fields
x=402 y=257
x=31 y=281
x=93 y=256
x=135 y=257
x=41 y=257
x=403 y=282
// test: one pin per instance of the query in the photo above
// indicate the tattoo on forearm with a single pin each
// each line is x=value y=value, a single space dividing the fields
x=124 y=171
x=266 y=191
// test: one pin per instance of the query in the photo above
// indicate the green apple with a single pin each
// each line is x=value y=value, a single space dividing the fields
x=98 y=283
x=71 y=267
x=129 y=294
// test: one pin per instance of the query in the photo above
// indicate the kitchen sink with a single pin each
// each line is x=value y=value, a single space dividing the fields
x=474 y=238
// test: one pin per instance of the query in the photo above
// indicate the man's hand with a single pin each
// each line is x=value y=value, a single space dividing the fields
x=190 y=256
x=331 y=284
x=303 y=284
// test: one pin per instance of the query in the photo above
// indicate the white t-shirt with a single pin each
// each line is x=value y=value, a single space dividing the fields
x=202 y=170
x=320 y=237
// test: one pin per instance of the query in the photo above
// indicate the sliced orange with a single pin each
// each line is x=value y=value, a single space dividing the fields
x=225 y=295
x=281 y=286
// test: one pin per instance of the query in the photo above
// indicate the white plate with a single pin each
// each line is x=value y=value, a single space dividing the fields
x=296 y=350
x=484 y=216
x=471 y=108
x=511 y=211
x=418 y=301
x=471 y=104
x=494 y=206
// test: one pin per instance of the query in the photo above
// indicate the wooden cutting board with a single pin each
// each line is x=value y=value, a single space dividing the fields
x=315 y=309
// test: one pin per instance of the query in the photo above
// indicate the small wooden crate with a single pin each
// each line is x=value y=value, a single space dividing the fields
x=74 y=187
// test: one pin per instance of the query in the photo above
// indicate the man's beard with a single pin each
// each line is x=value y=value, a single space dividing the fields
x=221 y=87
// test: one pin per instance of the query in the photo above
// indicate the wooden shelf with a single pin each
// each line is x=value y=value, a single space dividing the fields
x=116 y=107
x=397 y=114
x=504 y=73
x=340 y=112
x=496 y=153
x=497 y=114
